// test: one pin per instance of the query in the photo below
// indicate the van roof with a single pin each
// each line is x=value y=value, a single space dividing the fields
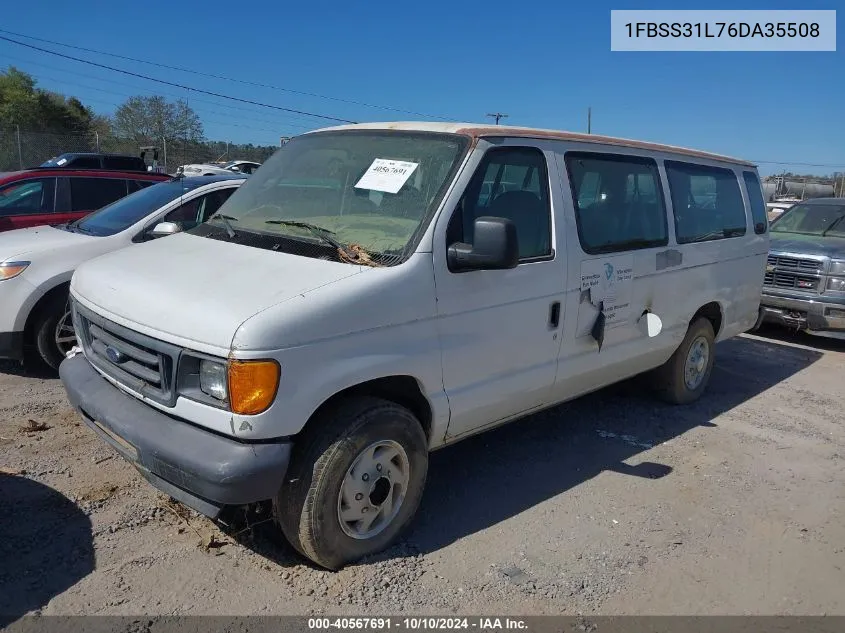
x=476 y=131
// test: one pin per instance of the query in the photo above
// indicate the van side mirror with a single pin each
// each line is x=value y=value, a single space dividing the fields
x=494 y=247
x=163 y=229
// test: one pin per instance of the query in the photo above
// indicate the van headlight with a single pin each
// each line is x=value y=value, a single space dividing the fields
x=12 y=269
x=214 y=379
x=245 y=387
x=837 y=267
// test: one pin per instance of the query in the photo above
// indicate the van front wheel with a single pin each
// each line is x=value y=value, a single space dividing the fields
x=685 y=375
x=354 y=483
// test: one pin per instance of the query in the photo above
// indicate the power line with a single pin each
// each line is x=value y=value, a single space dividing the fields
x=246 y=127
x=224 y=78
x=200 y=108
x=174 y=84
x=295 y=117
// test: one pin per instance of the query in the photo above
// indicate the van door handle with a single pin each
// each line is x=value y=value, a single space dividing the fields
x=554 y=314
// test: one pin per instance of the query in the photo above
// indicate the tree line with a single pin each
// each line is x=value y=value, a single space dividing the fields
x=137 y=122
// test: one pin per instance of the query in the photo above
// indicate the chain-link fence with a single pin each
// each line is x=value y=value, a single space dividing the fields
x=21 y=149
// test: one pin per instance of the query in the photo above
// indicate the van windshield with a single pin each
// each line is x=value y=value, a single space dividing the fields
x=812 y=219
x=374 y=190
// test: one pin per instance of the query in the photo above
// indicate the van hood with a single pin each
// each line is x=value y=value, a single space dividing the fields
x=807 y=244
x=194 y=291
x=37 y=239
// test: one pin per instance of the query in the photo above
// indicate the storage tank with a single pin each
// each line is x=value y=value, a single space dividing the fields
x=769 y=190
x=807 y=189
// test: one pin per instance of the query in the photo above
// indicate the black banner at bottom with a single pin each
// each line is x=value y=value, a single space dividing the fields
x=526 y=624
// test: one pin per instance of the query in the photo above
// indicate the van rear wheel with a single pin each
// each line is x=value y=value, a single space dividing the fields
x=684 y=377
x=356 y=482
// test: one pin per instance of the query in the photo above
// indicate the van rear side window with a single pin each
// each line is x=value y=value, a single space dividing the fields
x=707 y=202
x=619 y=203
x=755 y=198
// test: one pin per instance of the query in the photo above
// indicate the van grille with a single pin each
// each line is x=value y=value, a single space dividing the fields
x=140 y=363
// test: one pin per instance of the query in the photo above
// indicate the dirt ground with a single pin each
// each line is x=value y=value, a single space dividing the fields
x=611 y=504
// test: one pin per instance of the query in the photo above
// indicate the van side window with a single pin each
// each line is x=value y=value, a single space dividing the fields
x=512 y=183
x=707 y=202
x=618 y=202
x=758 y=205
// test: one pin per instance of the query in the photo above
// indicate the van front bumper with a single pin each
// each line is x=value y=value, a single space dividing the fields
x=802 y=314
x=203 y=470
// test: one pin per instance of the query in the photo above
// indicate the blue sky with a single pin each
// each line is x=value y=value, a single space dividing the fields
x=541 y=62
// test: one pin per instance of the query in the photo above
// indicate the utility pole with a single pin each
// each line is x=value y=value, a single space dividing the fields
x=20 y=154
x=497 y=116
x=589 y=120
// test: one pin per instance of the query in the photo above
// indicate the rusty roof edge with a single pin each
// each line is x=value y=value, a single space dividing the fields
x=478 y=130
x=523 y=132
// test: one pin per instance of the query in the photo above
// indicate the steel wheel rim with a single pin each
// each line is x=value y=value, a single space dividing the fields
x=695 y=366
x=65 y=335
x=373 y=489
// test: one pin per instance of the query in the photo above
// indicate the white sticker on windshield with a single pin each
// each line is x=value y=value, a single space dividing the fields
x=386 y=175
x=61 y=161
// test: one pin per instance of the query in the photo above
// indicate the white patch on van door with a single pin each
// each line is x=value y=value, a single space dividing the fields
x=607 y=281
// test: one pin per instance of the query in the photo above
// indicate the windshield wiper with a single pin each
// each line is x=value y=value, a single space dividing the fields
x=74 y=227
x=227 y=222
x=324 y=234
x=833 y=225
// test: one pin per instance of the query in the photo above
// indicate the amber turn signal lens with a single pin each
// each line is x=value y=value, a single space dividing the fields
x=252 y=385
x=11 y=269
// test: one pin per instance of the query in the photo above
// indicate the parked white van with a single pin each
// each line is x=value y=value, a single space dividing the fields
x=372 y=293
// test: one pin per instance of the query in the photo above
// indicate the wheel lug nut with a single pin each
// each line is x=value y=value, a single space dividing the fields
x=359 y=496
x=365 y=477
x=365 y=510
x=378 y=467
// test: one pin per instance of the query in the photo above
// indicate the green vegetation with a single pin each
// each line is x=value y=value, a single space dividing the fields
x=37 y=124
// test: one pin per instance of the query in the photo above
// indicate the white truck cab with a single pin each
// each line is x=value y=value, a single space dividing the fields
x=377 y=291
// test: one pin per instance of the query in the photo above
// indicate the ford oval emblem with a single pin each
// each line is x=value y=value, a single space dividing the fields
x=115 y=355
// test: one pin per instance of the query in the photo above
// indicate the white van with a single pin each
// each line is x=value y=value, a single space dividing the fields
x=365 y=297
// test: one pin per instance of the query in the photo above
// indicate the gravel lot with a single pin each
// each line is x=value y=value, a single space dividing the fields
x=611 y=504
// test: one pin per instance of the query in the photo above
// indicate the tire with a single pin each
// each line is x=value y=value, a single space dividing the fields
x=671 y=378
x=309 y=504
x=45 y=331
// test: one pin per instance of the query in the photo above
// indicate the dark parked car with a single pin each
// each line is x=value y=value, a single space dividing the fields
x=804 y=284
x=54 y=196
x=92 y=160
